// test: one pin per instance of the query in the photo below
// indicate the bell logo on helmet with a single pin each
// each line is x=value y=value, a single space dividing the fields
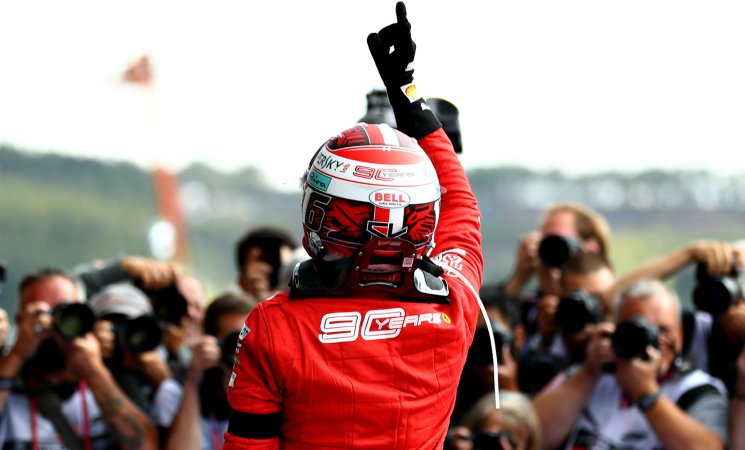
x=389 y=198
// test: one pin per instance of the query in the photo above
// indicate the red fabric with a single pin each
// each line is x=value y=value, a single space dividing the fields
x=393 y=392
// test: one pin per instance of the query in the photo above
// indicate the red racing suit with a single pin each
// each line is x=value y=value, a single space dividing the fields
x=309 y=374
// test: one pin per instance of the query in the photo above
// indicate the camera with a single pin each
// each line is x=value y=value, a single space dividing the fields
x=227 y=348
x=715 y=294
x=379 y=109
x=3 y=273
x=169 y=305
x=632 y=337
x=447 y=114
x=138 y=335
x=492 y=440
x=554 y=250
x=480 y=352
x=577 y=310
x=73 y=320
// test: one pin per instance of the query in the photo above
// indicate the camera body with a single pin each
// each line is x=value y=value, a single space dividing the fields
x=169 y=304
x=480 y=352
x=577 y=310
x=632 y=337
x=715 y=294
x=3 y=273
x=554 y=250
x=139 y=334
x=492 y=440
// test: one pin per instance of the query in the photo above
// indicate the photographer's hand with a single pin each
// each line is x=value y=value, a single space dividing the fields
x=507 y=370
x=35 y=324
x=205 y=354
x=638 y=377
x=151 y=273
x=526 y=263
x=150 y=366
x=599 y=350
x=256 y=275
x=717 y=256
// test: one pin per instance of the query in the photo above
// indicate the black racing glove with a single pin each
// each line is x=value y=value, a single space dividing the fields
x=396 y=68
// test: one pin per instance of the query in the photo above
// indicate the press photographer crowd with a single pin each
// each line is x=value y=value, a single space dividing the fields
x=134 y=354
x=375 y=329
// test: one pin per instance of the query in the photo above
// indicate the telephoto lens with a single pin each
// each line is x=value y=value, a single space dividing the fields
x=632 y=337
x=73 y=320
x=554 y=250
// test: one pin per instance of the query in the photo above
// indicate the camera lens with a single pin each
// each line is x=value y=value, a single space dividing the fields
x=577 y=310
x=227 y=348
x=631 y=338
x=169 y=305
x=480 y=351
x=715 y=294
x=554 y=250
x=140 y=334
x=73 y=319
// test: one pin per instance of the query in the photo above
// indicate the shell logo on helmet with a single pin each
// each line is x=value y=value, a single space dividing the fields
x=369 y=181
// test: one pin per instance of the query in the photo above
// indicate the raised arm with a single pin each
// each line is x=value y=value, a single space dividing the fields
x=459 y=224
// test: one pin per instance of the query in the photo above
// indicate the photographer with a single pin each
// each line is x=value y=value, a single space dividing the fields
x=130 y=337
x=513 y=426
x=62 y=378
x=715 y=330
x=202 y=418
x=259 y=256
x=565 y=229
x=633 y=387
x=586 y=279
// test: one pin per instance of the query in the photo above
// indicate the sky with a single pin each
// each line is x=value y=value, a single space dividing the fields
x=577 y=86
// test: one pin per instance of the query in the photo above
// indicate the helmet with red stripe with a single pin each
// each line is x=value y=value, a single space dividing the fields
x=370 y=181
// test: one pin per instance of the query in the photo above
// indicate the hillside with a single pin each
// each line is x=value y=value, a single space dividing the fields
x=64 y=211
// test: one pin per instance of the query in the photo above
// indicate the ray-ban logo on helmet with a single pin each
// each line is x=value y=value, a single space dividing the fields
x=390 y=198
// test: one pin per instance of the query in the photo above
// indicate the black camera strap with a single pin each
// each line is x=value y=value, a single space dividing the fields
x=50 y=406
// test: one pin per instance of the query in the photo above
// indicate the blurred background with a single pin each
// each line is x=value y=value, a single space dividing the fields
x=170 y=129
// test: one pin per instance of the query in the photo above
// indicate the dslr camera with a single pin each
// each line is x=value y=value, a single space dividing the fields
x=480 y=352
x=554 y=250
x=632 y=337
x=3 y=273
x=169 y=305
x=715 y=294
x=73 y=320
x=577 y=310
x=492 y=440
x=139 y=334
